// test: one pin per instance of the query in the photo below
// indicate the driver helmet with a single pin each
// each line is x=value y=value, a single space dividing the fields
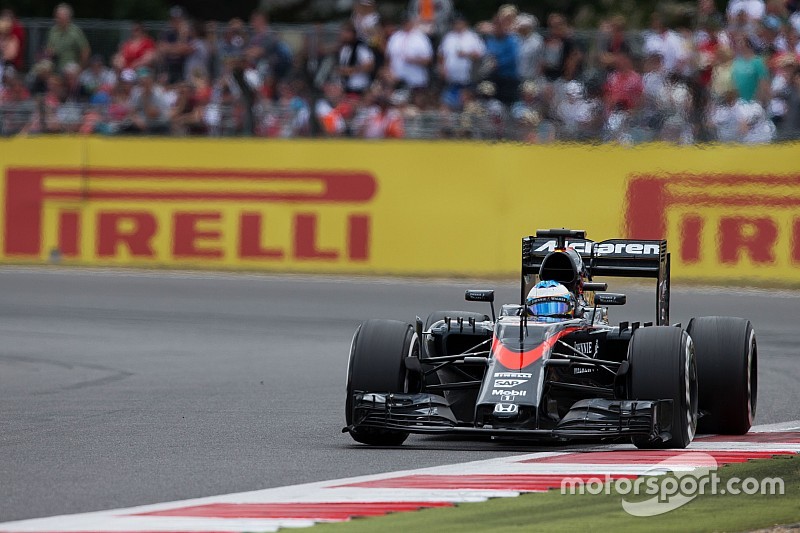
x=550 y=299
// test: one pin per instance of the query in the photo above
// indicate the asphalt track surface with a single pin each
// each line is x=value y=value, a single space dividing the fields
x=127 y=388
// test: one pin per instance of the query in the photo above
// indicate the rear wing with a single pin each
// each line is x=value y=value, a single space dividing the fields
x=615 y=257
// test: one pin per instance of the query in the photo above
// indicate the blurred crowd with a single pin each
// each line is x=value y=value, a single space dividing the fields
x=731 y=76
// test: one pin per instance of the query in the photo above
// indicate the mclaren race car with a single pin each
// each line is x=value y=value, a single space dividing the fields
x=577 y=376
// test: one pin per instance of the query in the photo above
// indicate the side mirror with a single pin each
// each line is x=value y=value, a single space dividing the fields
x=481 y=296
x=609 y=298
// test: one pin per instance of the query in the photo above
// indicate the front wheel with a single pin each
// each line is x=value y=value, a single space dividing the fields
x=663 y=367
x=377 y=364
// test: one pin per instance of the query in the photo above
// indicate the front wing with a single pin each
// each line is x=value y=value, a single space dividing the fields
x=595 y=418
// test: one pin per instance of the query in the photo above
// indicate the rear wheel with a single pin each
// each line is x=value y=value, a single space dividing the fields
x=377 y=364
x=663 y=367
x=727 y=369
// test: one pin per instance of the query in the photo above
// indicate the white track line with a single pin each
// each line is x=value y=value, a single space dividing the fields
x=337 y=491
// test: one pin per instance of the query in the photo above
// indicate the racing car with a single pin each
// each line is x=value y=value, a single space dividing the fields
x=558 y=377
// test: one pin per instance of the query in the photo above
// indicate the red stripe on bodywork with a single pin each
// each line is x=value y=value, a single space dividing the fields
x=517 y=482
x=514 y=360
x=653 y=457
x=301 y=510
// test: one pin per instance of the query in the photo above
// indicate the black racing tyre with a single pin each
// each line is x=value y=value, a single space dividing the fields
x=727 y=370
x=663 y=367
x=377 y=364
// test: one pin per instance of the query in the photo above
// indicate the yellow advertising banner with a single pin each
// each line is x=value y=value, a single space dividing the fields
x=409 y=208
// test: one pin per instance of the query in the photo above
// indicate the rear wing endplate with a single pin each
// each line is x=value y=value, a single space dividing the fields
x=628 y=258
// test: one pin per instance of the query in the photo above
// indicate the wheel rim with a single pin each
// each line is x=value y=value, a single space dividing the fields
x=690 y=374
x=752 y=377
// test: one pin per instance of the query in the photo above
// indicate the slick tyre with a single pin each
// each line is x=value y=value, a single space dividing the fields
x=377 y=364
x=663 y=367
x=727 y=371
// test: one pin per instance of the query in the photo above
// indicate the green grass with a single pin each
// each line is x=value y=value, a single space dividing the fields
x=552 y=512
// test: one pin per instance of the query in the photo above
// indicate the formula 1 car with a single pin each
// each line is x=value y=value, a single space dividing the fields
x=518 y=376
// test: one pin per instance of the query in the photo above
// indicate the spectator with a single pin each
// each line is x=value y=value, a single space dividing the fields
x=756 y=128
x=186 y=117
x=576 y=112
x=561 y=55
x=753 y=9
x=222 y=115
x=790 y=126
x=654 y=80
x=707 y=16
x=212 y=44
x=15 y=104
x=13 y=89
x=383 y=122
x=74 y=91
x=409 y=53
x=721 y=78
x=723 y=118
x=295 y=115
x=66 y=42
x=793 y=41
x=139 y=50
x=660 y=39
x=487 y=113
x=617 y=43
x=434 y=16
x=507 y=14
x=39 y=76
x=201 y=86
x=175 y=45
x=749 y=73
x=366 y=21
x=234 y=40
x=97 y=77
x=148 y=105
x=10 y=46
x=706 y=44
x=780 y=88
x=356 y=61
x=794 y=22
x=247 y=83
x=460 y=49
x=118 y=113
x=530 y=48
x=330 y=111
x=199 y=58
x=677 y=104
x=19 y=32
x=45 y=118
x=503 y=48
x=624 y=87
x=529 y=99
x=273 y=57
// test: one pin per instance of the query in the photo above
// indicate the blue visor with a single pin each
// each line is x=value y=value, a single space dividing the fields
x=549 y=307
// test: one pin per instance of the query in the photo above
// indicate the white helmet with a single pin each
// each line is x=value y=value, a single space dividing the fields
x=550 y=299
